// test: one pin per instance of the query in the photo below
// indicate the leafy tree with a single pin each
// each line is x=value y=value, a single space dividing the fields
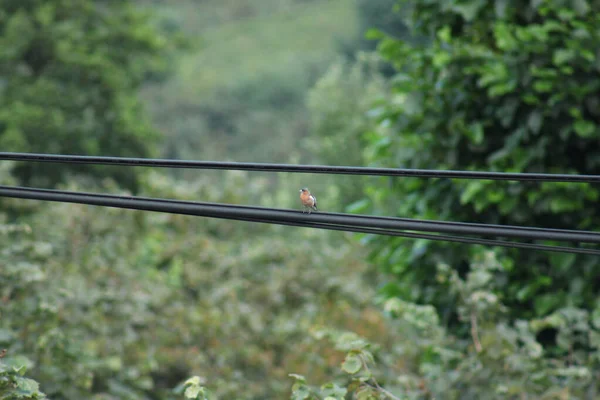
x=69 y=74
x=501 y=86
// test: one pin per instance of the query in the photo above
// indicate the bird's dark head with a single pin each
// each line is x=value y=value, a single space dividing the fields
x=304 y=190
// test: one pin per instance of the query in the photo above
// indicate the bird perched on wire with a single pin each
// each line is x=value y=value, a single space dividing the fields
x=308 y=200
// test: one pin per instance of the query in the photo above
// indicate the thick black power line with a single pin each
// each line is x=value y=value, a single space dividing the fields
x=356 y=223
x=593 y=236
x=474 y=224
x=315 y=169
x=444 y=238
x=388 y=232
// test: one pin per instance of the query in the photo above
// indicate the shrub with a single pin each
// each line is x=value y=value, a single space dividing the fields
x=498 y=88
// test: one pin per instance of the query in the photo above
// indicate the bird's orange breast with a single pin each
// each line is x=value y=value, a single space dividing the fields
x=306 y=198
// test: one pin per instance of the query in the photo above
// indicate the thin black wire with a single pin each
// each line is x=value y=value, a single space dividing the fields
x=355 y=223
x=315 y=169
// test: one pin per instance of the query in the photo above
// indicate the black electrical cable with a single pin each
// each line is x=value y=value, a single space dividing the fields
x=381 y=231
x=315 y=169
x=279 y=216
x=474 y=224
x=444 y=238
x=376 y=231
x=595 y=236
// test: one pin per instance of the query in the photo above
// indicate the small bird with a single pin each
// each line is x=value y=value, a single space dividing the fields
x=308 y=200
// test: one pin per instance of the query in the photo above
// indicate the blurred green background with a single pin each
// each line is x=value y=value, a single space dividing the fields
x=99 y=303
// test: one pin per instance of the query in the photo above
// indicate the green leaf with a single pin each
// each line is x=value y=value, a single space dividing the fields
x=566 y=14
x=21 y=370
x=531 y=99
x=333 y=391
x=492 y=73
x=563 y=204
x=500 y=89
x=374 y=34
x=584 y=128
x=588 y=55
x=543 y=86
x=27 y=386
x=441 y=59
x=563 y=261
x=297 y=377
x=545 y=302
x=195 y=390
x=563 y=56
x=470 y=191
x=347 y=341
x=192 y=392
x=300 y=393
x=444 y=34
x=530 y=290
x=575 y=112
x=367 y=393
x=352 y=364
x=504 y=38
x=475 y=133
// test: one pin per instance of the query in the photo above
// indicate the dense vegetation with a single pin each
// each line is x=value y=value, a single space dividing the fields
x=120 y=304
x=502 y=89
x=110 y=304
x=69 y=73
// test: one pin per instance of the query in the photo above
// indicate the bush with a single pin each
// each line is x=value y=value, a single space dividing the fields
x=14 y=385
x=499 y=88
x=500 y=359
x=102 y=303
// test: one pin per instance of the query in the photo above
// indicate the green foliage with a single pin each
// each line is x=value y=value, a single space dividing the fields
x=106 y=303
x=194 y=390
x=500 y=87
x=14 y=385
x=69 y=74
x=500 y=359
